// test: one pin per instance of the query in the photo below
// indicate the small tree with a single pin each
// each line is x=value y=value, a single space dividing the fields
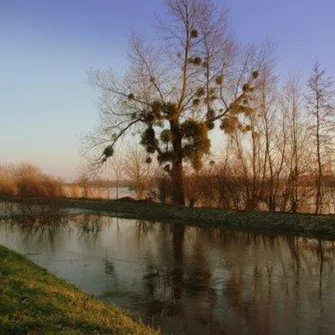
x=297 y=143
x=139 y=172
x=173 y=95
x=321 y=107
x=117 y=166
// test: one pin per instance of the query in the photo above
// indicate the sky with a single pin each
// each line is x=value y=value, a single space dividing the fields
x=47 y=48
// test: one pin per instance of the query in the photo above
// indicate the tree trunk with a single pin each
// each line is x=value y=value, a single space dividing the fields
x=272 y=201
x=178 y=183
x=117 y=189
x=318 y=201
x=177 y=165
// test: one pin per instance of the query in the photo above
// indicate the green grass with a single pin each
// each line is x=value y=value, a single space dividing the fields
x=32 y=301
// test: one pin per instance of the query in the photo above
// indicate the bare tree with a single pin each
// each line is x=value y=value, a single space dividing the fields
x=174 y=94
x=292 y=107
x=139 y=171
x=116 y=166
x=253 y=141
x=321 y=107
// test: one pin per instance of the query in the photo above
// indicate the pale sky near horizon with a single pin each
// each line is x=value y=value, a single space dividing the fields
x=47 y=47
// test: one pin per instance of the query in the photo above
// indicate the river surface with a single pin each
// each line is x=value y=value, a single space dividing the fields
x=192 y=280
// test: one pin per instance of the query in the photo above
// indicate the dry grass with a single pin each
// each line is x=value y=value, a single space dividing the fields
x=26 y=180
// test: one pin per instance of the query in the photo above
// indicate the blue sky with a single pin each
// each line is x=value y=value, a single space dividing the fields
x=47 y=47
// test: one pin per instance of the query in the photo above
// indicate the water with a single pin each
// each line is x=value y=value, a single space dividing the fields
x=192 y=280
x=76 y=191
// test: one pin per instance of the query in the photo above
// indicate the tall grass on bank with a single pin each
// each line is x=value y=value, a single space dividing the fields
x=37 y=193
x=26 y=180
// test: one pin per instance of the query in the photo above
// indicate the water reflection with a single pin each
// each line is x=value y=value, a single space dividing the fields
x=190 y=280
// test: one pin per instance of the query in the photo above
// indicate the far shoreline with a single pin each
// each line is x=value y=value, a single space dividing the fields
x=299 y=224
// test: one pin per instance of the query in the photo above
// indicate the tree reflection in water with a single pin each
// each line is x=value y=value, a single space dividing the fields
x=191 y=280
x=242 y=281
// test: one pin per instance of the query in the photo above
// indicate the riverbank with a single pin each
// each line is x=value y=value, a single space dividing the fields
x=319 y=226
x=322 y=226
x=33 y=301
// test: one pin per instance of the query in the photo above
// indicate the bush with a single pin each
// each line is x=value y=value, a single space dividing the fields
x=7 y=182
x=26 y=180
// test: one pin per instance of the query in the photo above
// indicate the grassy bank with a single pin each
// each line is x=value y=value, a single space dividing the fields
x=322 y=226
x=32 y=301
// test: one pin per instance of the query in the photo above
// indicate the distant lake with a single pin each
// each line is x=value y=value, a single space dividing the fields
x=98 y=192
x=189 y=280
